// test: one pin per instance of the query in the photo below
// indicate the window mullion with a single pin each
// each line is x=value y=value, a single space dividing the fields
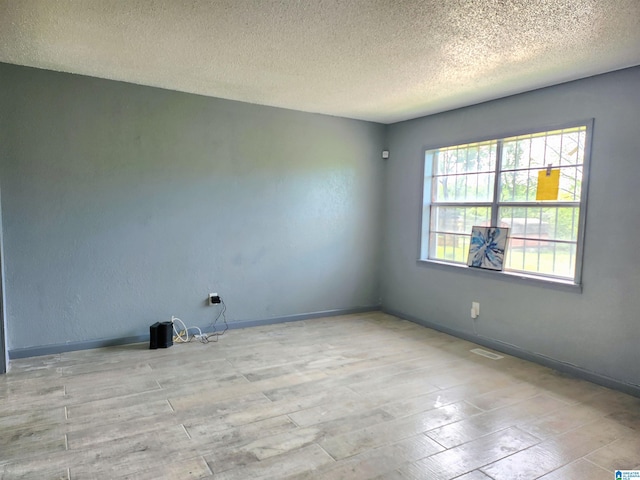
x=496 y=185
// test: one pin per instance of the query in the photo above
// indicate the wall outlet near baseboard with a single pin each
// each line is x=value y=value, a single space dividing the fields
x=214 y=299
x=475 y=309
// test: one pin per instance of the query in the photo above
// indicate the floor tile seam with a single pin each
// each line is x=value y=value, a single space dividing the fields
x=288 y=415
x=361 y=398
x=596 y=464
x=525 y=419
x=433 y=408
x=441 y=366
x=477 y=439
x=585 y=457
x=95 y=381
x=23 y=408
x=219 y=382
x=433 y=440
x=354 y=364
x=320 y=384
x=591 y=422
x=354 y=458
x=90 y=445
x=16 y=370
x=253 y=422
x=555 y=469
x=245 y=372
x=75 y=429
x=581 y=425
x=543 y=447
x=59 y=458
x=395 y=440
x=386 y=406
x=430 y=410
x=159 y=419
x=27 y=412
x=409 y=372
x=59 y=431
x=266 y=459
x=420 y=413
x=133 y=472
x=208 y=466
x=75 y=390
x=103 y=466
x=429 y=388
x=19 y=397
x=482 y=467
x=78 y=420
x=507 y=405
x=75 y=402
x=571 y=455
x=496 y=391
x=112 y=366
x=300 y=377
x=335 y=460
x=352 y=415
x=27 y=383
x=563 y=399
x=483 y=473
x=380 y=360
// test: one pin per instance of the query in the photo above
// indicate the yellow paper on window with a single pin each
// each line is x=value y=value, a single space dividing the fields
x=548 y=185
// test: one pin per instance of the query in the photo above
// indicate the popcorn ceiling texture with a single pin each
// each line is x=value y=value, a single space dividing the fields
x=378 y=60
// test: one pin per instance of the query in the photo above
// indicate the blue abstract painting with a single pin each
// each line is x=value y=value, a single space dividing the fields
x=487 y=248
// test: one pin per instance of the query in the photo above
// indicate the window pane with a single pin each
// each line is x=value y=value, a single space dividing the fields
x=477 y=187
x=522 y=185
x=558 y=148
x=469 y=158
x=573 y=147
x=458 y=219
x=557 y=259
x=449 y=247
x=541 y=223
x=570 y=184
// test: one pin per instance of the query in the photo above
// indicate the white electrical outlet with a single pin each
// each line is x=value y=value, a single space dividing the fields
x=475 y=309
x=214 y=299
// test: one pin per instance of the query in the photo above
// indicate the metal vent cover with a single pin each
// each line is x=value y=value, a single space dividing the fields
x=485 y=353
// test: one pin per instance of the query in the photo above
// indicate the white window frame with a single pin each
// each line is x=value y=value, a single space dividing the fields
x=494 y=205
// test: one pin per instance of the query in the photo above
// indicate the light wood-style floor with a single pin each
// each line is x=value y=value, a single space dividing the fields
x=351 y=397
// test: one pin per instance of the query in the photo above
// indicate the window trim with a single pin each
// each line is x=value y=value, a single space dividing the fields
x=530 y=278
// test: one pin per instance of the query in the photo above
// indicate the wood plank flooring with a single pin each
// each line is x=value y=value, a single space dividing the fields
x=353 y=397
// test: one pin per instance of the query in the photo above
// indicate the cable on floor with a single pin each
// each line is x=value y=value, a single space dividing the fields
x=215 y=334
x=182 y=335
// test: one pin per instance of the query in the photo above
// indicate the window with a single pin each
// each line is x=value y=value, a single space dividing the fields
x=495 y=183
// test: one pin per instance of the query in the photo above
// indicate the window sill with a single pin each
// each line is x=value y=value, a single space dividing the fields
x=556 y=284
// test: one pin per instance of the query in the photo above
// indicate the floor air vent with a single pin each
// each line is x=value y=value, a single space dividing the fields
x=484 y=353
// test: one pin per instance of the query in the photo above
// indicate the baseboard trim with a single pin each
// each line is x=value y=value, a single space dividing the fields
x=55 y=349
x=515 y=351
x=303 y=316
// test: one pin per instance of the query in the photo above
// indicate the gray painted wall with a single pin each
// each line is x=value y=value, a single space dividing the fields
x=597 y=330
x=124 y=205
x=4 y=352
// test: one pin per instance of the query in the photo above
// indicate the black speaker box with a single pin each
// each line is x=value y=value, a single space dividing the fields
x=161 y=335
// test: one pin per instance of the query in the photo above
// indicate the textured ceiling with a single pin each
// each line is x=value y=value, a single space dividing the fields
x=379 y=60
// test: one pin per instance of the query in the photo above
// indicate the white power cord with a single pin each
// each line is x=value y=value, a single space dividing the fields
x=182 y=336
x=178 y=335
